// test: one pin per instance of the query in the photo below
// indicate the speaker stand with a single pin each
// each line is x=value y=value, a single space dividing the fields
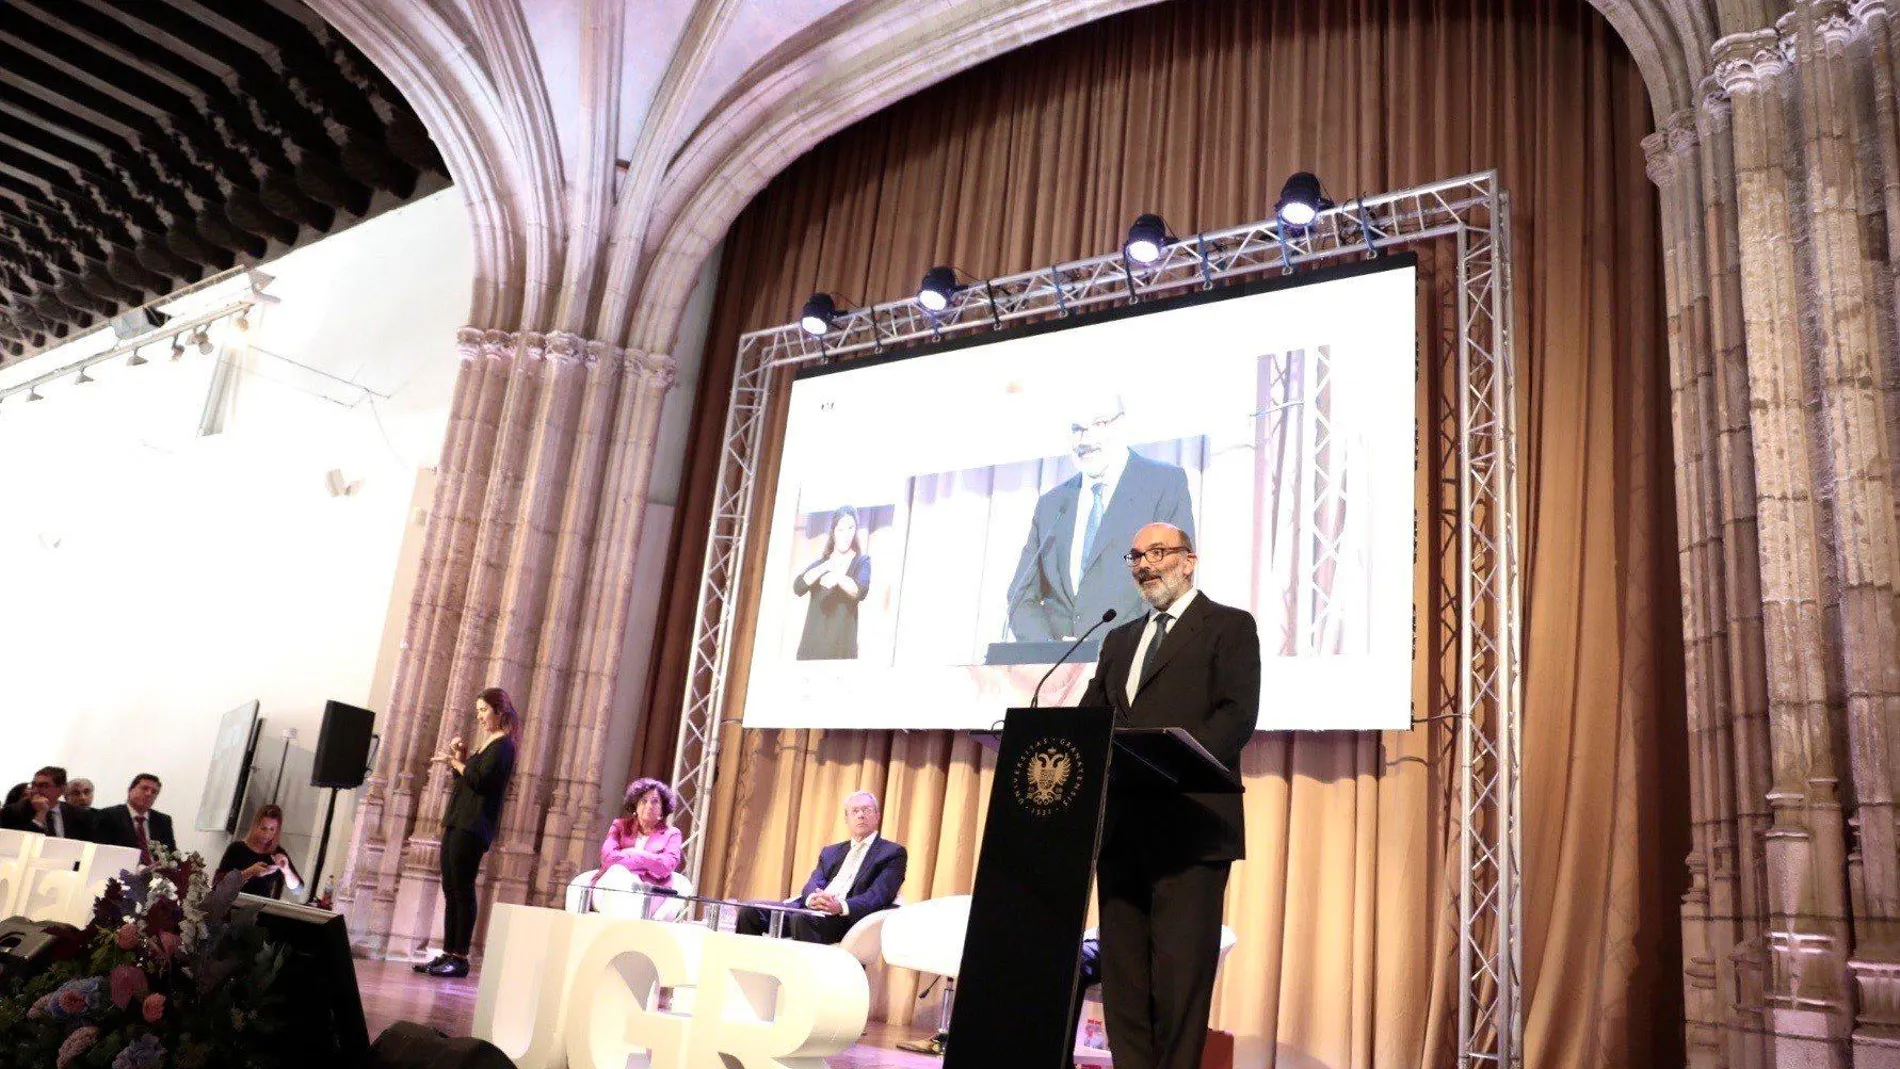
x=323 y=848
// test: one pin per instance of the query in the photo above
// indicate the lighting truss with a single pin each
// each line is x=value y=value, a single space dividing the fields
x=1475 y=630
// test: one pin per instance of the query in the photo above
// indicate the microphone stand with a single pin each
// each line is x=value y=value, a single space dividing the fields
x=1035 y=700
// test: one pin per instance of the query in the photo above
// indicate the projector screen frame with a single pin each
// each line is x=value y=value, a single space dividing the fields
x=1330 y=343
x=1472 y=628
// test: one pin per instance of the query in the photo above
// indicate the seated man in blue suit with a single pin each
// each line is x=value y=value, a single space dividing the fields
x=858 y=876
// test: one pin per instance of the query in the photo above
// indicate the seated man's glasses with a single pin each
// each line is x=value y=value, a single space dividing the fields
x=1153 y=554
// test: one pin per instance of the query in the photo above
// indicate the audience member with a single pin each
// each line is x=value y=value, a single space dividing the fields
x=79 y=794
x=42 y=810
x=17 y=792
x=855 y=877
x=266 y=867
x=136 y=824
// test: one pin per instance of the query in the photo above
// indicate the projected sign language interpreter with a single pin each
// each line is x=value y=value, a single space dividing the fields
x=1070 y=571
x=834 y=585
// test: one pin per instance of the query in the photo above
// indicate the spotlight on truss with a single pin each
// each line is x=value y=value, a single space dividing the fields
x=1147 y=236
x=1301 y=200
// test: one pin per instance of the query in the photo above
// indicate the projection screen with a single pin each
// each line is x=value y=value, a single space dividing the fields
x=936 y=542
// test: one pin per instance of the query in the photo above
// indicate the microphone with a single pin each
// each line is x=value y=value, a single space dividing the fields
x=1036 y=698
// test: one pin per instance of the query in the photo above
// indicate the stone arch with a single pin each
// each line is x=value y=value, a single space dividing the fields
x=512 y=196
x=756 y=135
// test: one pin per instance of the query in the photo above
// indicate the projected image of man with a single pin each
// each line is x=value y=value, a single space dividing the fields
x=1070 y=571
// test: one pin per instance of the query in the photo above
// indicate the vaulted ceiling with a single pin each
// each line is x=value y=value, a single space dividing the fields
x=145 y=144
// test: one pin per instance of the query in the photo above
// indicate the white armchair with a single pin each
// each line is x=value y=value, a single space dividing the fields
x=622 y=895
x=928 y=937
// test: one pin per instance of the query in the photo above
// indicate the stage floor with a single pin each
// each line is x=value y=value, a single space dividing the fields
x=392 y=992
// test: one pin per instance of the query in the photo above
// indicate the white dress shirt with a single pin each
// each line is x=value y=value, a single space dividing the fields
x=1174 y=612
x=1084 y=500
x=840 y=885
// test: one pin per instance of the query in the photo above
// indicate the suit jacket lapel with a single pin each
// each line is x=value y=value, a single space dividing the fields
x=1177 y=637
x=1065 y=534
x=1123 y=508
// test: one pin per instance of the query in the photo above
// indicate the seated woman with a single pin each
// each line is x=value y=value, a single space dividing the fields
x=639 y=860
x=266 y=867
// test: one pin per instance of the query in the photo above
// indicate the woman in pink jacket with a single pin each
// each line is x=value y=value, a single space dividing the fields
x=640 y=854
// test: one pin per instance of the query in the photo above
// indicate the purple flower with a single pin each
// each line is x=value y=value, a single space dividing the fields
x=42 y=1006
x=144 y=1052
x=76 y=1044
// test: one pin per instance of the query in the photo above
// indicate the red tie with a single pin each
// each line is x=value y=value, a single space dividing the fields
x=145 y=845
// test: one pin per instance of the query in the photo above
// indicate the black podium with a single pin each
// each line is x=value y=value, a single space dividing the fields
x=1055 y=768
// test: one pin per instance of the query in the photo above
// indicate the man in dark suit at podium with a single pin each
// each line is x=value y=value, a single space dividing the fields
x=1069 y=571
x=856 y=877
x=1162 y=872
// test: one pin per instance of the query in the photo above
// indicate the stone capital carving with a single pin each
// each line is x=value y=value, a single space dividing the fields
x=468 y=344
x=534 y=345
x=1746 y=62
x=1833 y=21
x=659 y=368
x=497 y=344
x=1659 y=162
x=598 y=351
x=1681 y=132
x=1714 y=110
x=564 y=347
x=1866 y=11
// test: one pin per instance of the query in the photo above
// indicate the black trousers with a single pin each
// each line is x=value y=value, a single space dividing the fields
x=462 y=852
x=756 y=921
x=1160 y=925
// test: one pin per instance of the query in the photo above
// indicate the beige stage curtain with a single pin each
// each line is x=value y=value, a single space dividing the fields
x=1198 y=111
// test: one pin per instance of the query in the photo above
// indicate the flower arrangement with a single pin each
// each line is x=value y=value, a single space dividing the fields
x=165 y=976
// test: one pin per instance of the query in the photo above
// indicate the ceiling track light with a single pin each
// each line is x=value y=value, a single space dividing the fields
x=1301 y=201
x=819 y=314
x=33 y=394
x=136 y=359
x=1147 y=237
x=939 y=288
x=178 y=346
x=203 y=340
x=83 y=378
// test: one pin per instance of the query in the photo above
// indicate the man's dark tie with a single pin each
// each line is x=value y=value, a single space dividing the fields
x=1149 y=657
x=145 y=845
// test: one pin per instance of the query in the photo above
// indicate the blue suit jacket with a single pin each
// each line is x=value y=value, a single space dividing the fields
x=878 y=878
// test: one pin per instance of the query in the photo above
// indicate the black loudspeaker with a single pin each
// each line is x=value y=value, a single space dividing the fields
x=408 y=1045
x=343 y=746
x=325 y=1026
x=26 y=946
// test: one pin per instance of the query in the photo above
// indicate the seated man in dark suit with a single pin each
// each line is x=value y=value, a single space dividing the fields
x=1071 y=570
x=41 y=809
x=136 y=824
x=858 y=876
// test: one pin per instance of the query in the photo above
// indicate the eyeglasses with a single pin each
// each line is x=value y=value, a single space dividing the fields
x=1153 y=554
x=1098 y=426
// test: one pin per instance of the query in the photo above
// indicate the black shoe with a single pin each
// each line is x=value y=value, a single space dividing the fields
x=451 y=967
x=425 y=966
